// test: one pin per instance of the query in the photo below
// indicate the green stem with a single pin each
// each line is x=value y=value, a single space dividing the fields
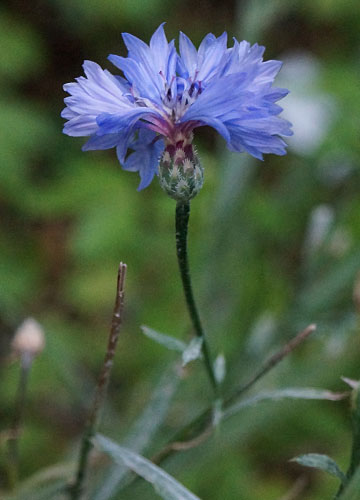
x=355 y=451
x=182 y=221
x=13 y=442
x=77 y=488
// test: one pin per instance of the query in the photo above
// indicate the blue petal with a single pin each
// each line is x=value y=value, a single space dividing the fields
x=221 y=96
x=114 y=123
x=80 y=126
x=215 y=123
x=145 y=82
x=160 y=49
x=255 y=142
x=272 y=125
x=170 y=68
x=67 y=113
x=138 y=49
x=188 y=55
x=146 y=67
x=212 y=61
x=276 y=94
x=207 y=41
x=101 y=142
x=268 y=71
x=99 y=93
x=101 y=83
x=205 y=63
x=145 y=158
x=150 y=83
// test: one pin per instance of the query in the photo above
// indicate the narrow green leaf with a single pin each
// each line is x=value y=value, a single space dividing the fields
x=287 y=393
x=141 y=433
x=167 y=487
x=192 y=351
x=155 y=412
x=166 y=340
x=322 y=462
x=352 y=489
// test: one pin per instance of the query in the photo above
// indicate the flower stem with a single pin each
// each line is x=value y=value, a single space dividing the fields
x=355 y=452
x=76 y=489
x=181 y=225
x=13 y=442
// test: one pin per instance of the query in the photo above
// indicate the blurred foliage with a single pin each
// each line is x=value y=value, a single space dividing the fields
x=273 y=246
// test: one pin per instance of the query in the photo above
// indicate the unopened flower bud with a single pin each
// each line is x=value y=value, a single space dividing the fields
x=29 y=338
x=180 y=172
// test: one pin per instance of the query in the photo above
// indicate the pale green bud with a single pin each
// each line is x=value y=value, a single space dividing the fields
x=180 y=173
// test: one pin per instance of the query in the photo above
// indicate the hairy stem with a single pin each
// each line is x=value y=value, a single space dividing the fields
x=76 y=489
x=181 y=225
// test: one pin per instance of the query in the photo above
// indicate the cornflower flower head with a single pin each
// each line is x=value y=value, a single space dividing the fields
x=164 y=95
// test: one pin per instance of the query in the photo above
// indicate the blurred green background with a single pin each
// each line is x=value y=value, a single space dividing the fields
x=274 y=246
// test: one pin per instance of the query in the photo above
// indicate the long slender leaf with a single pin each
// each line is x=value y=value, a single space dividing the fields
x=165 y=340
x=190 y=351
x=141 y=433
x=167 y=487
x=322 y=462
x=286 y=393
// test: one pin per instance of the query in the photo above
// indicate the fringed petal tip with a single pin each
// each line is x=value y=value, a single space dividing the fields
x=166 y=95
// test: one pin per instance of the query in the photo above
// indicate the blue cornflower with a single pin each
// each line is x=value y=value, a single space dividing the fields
x=163 y=96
